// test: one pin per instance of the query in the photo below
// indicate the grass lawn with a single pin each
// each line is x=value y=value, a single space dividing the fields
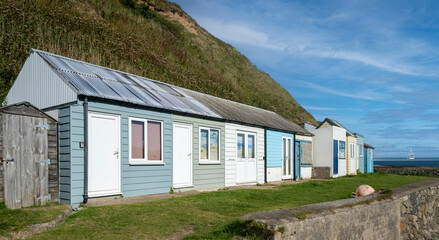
x=208 y=215
x=14 y=220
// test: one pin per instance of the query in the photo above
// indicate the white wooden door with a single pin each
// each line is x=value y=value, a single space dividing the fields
x=182 y=155
x=103 y=154
x=352 y=158
x=245 y=158
x=286 y=157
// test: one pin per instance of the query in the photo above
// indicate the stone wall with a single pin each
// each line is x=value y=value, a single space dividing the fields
x=321 y=172
x=410 y=212
x=420 y=214
x=408 y=170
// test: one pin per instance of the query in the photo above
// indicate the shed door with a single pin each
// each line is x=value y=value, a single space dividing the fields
x=335 y=164
x=246 y=158
x=352 y=158
x=25 y=155
x=182 y=153
x=103 y=154
x=298 y=160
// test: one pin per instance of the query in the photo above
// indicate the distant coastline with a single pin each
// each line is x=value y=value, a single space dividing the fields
x=424 y=162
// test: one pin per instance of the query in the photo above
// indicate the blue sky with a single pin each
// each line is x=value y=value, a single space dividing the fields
x=371 y=65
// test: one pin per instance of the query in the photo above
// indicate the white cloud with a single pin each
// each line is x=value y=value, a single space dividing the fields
x=319 y=108
x=314 y=41
x=236 y=32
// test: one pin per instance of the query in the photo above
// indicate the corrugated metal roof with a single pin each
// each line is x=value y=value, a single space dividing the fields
x=96 y=81
x=333 y=122
x=238 y=112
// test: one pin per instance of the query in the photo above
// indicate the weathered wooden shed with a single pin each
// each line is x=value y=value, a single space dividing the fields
x=29 y=156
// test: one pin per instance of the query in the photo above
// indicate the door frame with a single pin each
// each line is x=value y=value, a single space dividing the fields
x=191 y=184
x=90 y=150
x=246 y=133
x=352 y=157
x=284 y=177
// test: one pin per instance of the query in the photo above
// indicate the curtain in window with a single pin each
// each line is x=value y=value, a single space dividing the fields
x=137 y=140
x=154 y=141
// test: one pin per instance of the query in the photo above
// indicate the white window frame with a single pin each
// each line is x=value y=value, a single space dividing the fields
x=352 y=153
x=208 y=161
x=339 y=150
x=246 y=144
x=144 y=161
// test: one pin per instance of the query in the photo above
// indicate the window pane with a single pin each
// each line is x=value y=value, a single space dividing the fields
x=154 y=141
x=342 y=149
x=241 y=144
x=214 y=145
x=137 y=139
x=251 y=146
x=204 y=152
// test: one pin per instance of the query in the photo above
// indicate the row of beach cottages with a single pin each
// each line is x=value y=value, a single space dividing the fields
x=124 y=135
x=342 y=151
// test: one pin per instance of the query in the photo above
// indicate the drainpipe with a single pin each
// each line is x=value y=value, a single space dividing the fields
x=85 y=105
x=265 y=157
x=294 y=158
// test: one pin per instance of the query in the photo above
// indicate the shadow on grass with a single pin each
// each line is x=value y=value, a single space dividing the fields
x=248 y=229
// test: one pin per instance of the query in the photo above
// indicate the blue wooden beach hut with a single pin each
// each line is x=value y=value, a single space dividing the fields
x=368 y=158
x=360 y=152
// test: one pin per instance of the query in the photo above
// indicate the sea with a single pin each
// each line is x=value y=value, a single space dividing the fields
x=424 y=162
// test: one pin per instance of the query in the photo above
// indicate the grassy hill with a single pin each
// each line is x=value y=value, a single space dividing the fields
x=152 y=38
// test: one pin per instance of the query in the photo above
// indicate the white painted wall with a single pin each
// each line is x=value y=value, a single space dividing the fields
x=306 y=172
x=274 y=174
x=305 y=138
x=322 y=147
x=230 y=142
x=339 y=133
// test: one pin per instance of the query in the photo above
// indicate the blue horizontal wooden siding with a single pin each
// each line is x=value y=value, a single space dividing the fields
x=274 y=147
x=141 y=179
x=360 y=142
x=64 y=154
x=136 y=180
x=205 y=176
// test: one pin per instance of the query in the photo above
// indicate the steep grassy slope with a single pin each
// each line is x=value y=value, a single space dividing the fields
x=154 y=38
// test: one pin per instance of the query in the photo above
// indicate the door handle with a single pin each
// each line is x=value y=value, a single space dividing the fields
x=115 y=152
x=189 y=154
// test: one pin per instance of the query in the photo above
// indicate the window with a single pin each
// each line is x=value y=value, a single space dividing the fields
x=209 y=145
x=341 y=149
x=361 y=150
x=352 y=152
x=145 y=141
x=245 y=145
